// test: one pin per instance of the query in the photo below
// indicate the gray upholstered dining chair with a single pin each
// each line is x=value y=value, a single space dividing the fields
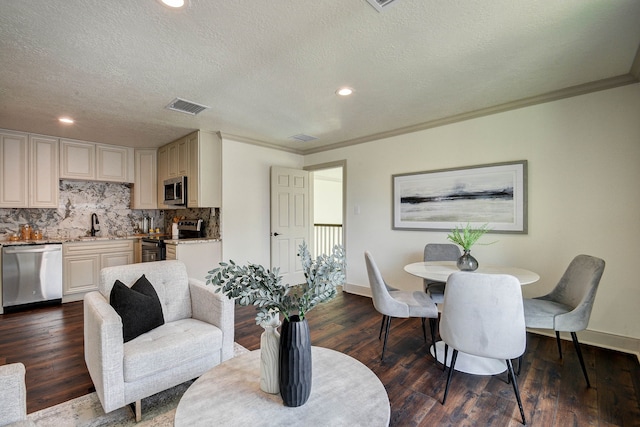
x=483 y=316
x=396 y=303
x=439 y=252
x=567 y=308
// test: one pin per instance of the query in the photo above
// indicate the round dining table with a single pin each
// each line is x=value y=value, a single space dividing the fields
x=440 y=271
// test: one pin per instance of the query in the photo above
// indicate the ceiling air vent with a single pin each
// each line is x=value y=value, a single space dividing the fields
x=303 y=138
x=187 y=107
x=380 y=4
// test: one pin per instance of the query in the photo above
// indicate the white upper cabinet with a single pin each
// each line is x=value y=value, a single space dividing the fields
x=177 y=158
x=204 y=180
x=77 y=160
x=44 y=172
x=95 y=162
x=29 y=171
x=183 y=156
x=14 y=160
x=112 y=163
x=163 y=173
x=198 y=156
x=145 y=189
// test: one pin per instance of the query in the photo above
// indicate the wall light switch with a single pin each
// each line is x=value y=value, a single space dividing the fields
x=356 y=210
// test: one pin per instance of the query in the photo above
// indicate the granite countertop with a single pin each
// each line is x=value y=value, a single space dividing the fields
x=191 y=241
x=58 y=240
x=7 y=242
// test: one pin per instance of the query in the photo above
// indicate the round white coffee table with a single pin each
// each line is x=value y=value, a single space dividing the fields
x=344 y=392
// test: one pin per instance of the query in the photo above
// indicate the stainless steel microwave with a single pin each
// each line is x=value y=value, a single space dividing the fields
x=175 y=191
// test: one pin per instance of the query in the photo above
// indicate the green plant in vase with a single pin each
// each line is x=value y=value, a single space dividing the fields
x=467 y=237
x=253 y=284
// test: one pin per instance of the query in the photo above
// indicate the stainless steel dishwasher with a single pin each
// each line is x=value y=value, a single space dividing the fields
x=31 y=275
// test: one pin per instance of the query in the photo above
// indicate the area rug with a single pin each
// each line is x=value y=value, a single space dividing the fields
x=157 y=411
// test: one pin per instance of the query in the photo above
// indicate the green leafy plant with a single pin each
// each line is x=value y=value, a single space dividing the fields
x=467 y=236
x=253 y=284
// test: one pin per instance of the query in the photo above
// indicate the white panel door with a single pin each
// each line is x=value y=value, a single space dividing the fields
x=290 y=221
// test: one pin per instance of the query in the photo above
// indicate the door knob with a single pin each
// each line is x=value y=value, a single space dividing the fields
x=275 y=234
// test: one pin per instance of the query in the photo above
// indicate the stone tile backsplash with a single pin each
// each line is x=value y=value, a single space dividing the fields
x=110 y=201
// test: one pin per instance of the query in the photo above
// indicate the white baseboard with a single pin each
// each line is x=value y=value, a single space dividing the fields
x=598 y=339
x=72 y=297
x=363 y=291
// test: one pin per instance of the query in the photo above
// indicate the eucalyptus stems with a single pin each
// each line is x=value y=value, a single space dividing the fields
x=468 y=236
x=253 y=284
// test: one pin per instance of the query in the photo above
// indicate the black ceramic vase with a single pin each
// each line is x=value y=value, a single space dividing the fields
x=295 y=362
x=467 y=262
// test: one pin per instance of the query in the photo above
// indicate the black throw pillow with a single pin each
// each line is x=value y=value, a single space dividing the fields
x=138 y=306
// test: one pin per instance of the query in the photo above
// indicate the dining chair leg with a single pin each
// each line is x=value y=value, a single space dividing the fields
x=519 y=364
x=424 y=329
x=444 y=361
x=558 y=341
x=515 y=389
x=454 y=356
x=576 y=344
x=432 y=326
x=386 y=335
x=384 y=318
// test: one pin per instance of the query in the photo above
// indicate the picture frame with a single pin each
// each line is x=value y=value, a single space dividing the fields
x=441 y=200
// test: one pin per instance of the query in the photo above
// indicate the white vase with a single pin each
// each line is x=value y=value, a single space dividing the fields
x=269 y=357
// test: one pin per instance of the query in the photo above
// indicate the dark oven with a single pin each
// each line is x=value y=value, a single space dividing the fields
x=153 y=250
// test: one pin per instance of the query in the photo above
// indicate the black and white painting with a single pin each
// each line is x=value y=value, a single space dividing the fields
x=492 y=194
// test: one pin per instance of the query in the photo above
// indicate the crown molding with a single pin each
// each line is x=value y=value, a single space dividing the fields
x=569 y=92
x=259 y=143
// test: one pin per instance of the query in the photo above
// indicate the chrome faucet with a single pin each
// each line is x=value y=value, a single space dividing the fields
x=95 y=224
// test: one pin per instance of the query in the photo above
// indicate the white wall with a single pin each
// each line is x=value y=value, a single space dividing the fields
x=245 y=215
x=584 y=170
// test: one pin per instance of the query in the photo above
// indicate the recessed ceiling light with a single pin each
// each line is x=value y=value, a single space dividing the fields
x=173 y=3
x=344 y=91
x=66 y=120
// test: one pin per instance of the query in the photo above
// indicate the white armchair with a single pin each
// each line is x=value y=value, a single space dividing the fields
x=197 y=335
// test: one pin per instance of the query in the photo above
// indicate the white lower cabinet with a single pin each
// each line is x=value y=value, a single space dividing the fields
x=82 y=262
x=199 y=257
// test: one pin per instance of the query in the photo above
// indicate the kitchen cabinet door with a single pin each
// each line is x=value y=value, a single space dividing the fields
x=172 y=160
x=163 y=173
x=182 y=151
x=113 y=259
x=80 y=273
x=145 y=185
x=82 y=262
x=170 y=253
x=112 y=163
x=43 y=172
x=14 y=161
x=77 y=160
x=204 y=180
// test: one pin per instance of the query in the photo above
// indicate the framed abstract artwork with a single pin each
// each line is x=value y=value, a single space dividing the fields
x=493 y=194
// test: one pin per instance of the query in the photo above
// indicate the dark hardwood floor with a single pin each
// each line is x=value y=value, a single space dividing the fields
x=49 y=342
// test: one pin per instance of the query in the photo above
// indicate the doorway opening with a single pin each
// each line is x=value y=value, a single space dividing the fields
x=328 y=206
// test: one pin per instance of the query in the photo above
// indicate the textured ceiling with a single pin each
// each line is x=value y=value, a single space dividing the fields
x=269 y=69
